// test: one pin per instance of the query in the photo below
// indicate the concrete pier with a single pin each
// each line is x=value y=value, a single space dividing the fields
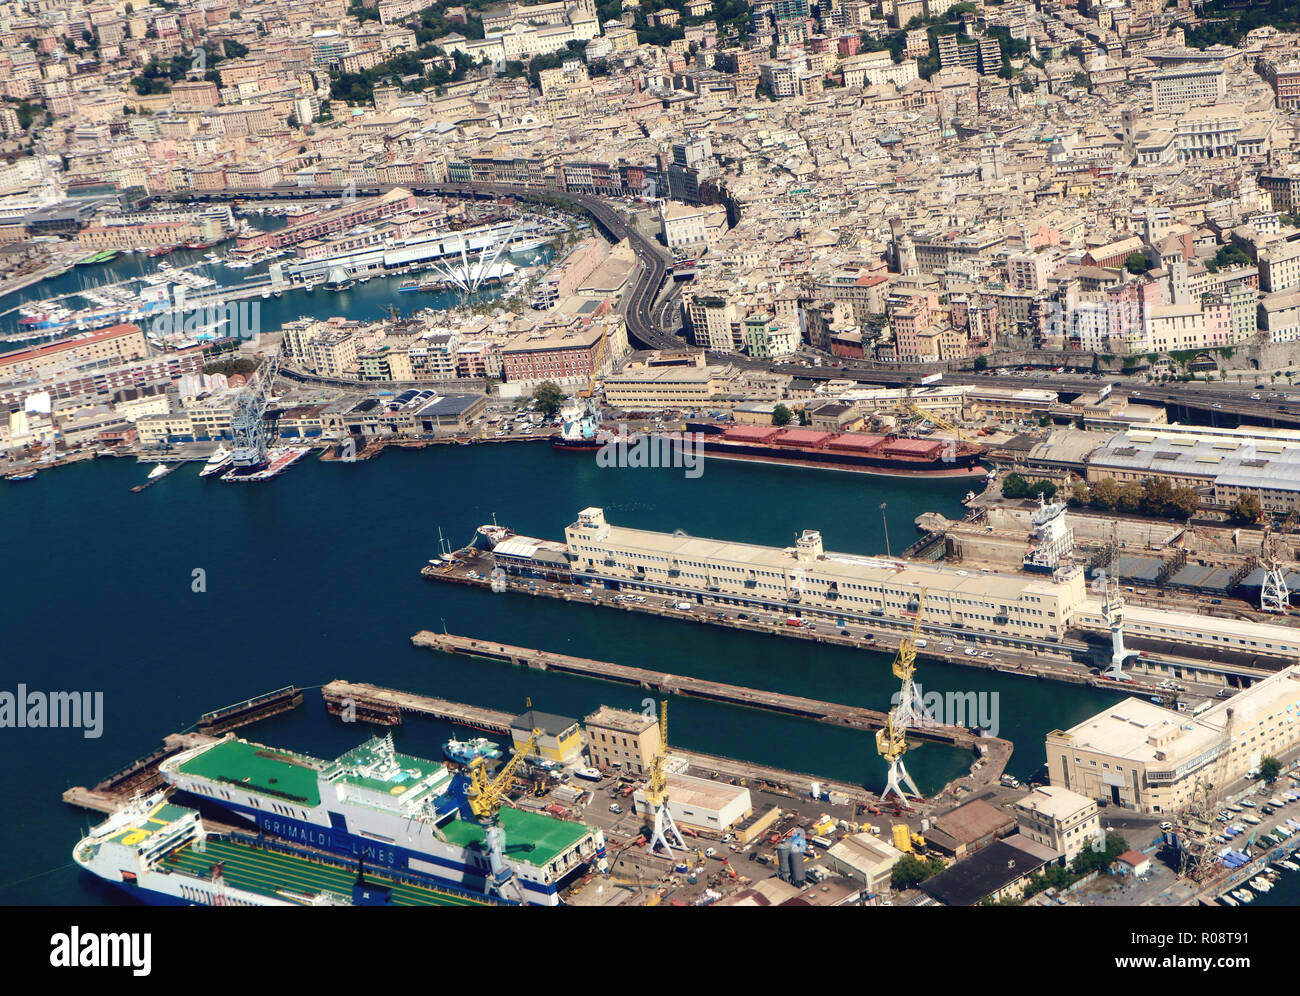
x=675 y=684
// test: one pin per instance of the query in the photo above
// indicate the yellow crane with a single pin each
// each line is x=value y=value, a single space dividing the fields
x=590 y=389
x=656 y=792
x=891 y=739
x=485 y=797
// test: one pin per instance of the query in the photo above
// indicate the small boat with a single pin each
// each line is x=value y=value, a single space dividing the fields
x=1244 y=895
x=25 y=476
x=161 y=470
x=1229 y=900
x=1260 y=884
x=1289 y=865
x=590 y=774
x=465 y=751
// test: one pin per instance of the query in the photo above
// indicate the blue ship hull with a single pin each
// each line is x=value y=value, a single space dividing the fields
x=337 y=839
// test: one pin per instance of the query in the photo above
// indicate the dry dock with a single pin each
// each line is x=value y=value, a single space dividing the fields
x=342 y=695
x=675 y=684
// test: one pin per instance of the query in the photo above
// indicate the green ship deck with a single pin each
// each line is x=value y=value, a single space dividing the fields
x=259 y=769
x=273 y=873
x=547 y=837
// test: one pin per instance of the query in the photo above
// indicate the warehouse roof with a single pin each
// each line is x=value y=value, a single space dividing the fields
x=974 y=821
x=992 y=869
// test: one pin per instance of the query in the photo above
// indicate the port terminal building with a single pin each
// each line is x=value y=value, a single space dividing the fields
x=1144 y=757
x=808 y=582
x=1055 y=612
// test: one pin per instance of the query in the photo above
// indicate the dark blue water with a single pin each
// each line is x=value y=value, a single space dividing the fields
x=315 y=576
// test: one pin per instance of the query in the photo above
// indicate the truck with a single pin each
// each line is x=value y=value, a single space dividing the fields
x=793 y=621
x=931 y=379
x=683 y=606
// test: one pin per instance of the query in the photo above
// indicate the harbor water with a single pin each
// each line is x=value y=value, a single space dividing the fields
x=194 y=594
x=368 y=301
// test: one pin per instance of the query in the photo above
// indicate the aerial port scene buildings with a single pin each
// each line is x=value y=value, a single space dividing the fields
x=721 y=453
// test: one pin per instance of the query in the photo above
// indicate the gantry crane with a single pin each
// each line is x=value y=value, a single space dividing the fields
x=1274 y=595
x=891 y=740
x=486 y=796
x=248 y=424
x=656 y=793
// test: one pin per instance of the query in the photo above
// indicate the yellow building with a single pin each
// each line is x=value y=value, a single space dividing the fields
x=560 y=741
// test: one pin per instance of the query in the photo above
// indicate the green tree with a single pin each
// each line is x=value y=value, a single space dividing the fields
x=1080 y=79
x=1046 y=489
x=549 y=398
x=1184 y=503
x=1245 y=511
x=981 y=363
x=1269 y=769
x=1015 y=486
x=781 y=415
x=1105 y=494
x=1079 y=494
x=912 y=871
x=1137 y=263
x=1131 y=497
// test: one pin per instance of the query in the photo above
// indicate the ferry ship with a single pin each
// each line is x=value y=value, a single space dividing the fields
x=162 y=854
x=882 y=455
x=394 y=811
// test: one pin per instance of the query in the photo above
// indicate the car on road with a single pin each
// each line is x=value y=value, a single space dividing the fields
x=971 y=652
x=615 y=808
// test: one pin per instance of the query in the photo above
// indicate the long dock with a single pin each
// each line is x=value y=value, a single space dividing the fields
x=833 y=713
x=141 y=777
x=356 y=700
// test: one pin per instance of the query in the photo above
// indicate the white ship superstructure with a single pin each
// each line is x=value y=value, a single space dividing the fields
x=386 y=808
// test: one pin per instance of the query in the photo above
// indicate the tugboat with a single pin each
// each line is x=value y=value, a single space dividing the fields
x=464 y=751
x=580 y=430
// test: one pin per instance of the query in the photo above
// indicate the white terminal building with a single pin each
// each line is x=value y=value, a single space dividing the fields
x=1142 y=756
x=815 y=585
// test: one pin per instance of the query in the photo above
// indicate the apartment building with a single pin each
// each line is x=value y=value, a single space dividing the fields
x=1060 y=819
x=620 y=738
x=1178 y=89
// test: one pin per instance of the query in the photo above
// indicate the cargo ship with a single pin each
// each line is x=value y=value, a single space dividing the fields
x=162 y=854
x=852 y=451
x=398 y=813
